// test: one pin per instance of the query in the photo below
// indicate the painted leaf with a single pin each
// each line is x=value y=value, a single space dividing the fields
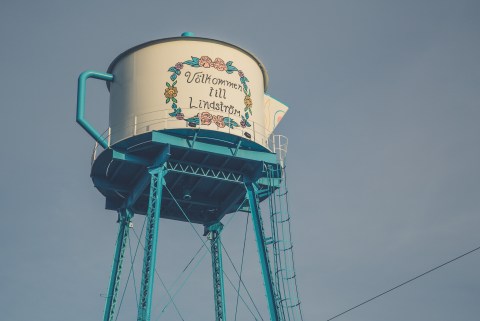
x=230 y=122
x=193 y=62
x=194 y=120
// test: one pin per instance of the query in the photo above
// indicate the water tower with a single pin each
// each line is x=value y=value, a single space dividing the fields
x=190 y=139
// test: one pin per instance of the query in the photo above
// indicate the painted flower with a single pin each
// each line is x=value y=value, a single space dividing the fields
x=241 y=74
x=171 y=92
x=218 y=120
x=179 y=65
x=205 y=62
x=243 y=123
x=219 y=64
x=206 y=118
x=248 y=101
x=180 y=116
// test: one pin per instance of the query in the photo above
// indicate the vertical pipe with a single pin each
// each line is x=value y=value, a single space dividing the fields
x=151 y=237
x=135 y=126
x=217 y=270
x=262 y=251
x=125 y=216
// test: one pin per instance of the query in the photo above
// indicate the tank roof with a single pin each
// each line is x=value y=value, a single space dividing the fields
x=187 y=38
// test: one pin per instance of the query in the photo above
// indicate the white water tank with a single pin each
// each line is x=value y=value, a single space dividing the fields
x=184 y=83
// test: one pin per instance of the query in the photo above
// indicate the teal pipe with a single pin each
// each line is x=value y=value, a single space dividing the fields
x=82 y=85
x=262 y=250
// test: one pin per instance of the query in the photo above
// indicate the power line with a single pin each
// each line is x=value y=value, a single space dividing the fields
x=402 y=284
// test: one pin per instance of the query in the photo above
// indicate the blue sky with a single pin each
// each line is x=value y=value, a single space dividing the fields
x=383 y=154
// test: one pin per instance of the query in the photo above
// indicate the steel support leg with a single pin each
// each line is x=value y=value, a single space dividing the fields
x=151 y=236
x=217 y=270
x=124 y=217
x=262 y=250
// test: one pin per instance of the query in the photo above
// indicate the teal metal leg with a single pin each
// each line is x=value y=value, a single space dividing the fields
x=217 y=270
x=124 y=216
x=149 y=258
x=262 y=250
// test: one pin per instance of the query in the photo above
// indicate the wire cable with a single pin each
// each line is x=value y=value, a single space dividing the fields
x=402 y=284
x=131 y=272
x=208 y=249
x=132 y=260
x=163 y=284
x=241 y=281
x=241 y=266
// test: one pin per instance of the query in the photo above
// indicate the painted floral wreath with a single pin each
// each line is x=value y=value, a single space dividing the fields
x=206 y=118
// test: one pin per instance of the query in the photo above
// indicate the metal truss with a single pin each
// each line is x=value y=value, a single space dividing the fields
x=124 y=218
x=272 y=296
x=217 y=270
x=204 y=172
x=151 y=237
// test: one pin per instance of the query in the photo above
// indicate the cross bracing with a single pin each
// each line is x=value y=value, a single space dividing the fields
x=204 y=171
x=199 y=188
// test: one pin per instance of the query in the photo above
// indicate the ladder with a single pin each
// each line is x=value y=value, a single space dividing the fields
x=285 y=282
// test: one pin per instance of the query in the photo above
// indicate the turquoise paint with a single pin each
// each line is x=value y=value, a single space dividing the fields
x=216 y=149
x=217 y=271
x=262 y=250
x=129 y=158
x=151 y=239
x=124 y=220
x=152 y=173
x=82 y=84
x=145 y=179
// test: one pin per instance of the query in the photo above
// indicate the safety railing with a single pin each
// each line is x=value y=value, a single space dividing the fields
x=156 y=120
x=279 y=144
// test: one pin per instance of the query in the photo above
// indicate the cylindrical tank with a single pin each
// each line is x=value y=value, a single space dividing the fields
x=184 y=83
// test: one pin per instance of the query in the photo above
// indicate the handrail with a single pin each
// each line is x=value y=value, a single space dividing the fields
x=144 y=126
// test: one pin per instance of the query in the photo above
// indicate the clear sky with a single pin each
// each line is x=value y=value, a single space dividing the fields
x=383 y=162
